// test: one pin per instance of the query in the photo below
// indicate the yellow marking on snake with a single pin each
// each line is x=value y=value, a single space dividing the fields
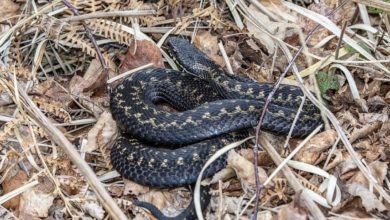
x=195 y=157
x=180 y=161
x=164 y=164
x=206 y=115
x=151 y=163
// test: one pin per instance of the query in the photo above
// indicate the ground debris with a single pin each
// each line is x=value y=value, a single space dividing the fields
x=47 y=52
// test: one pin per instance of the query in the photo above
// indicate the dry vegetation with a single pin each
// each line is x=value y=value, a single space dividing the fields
x=55 y=124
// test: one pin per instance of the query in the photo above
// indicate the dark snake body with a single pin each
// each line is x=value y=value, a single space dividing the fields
x=210 y=106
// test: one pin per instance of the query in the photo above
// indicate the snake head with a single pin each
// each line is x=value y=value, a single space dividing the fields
x=190 y=58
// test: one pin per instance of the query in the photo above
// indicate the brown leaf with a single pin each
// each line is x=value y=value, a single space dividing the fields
x=292 y=211
x=369 y=200
x=377 y=169
x=170 y=202
x=94 y=78
x=101 y=133
x=312 y=150
x=55 y=92
x=353 y=213
x=208 y=44
x=245 y=171
x=263 y=157
x=133 y=188
x=366 y=118
x=376 y=103
x=387 y=97
x=43 y=87
x=141 y=53
x=366 y=130
x=36 y=202
x=338 y=159
x=323 y=9
x=93 y=208
x=371 y=151
x=277 y=29
x=223 y=174
x=12 y=182
x=8 y=9
x=78 y=84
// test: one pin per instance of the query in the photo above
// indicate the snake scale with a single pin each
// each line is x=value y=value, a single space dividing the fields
x=163 y=148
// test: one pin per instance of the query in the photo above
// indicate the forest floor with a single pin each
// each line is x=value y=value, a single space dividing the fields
x=59 y=58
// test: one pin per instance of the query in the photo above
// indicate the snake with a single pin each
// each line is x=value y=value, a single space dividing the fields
x=209 y=108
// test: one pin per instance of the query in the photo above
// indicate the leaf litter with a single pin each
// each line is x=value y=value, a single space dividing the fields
x=46 y=53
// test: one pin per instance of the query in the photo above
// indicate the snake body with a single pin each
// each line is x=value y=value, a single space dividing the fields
x=211 y=107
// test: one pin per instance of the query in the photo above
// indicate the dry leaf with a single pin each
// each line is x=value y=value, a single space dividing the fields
x=323 y=9
x=262 y=157
x=245 y=171
x=339 y=157
x=43 y=87
x=8 y=9
x=387 y=97
x=223 y=174
x=78 y=84
x=57 y=93
x=171 y=202
x=312 y=150
x=376 y=103
x=94 y=209
x=356 y=213
x=133 y=188
x=208 y=44
x=15 y=179
x=276 y=29
x=142 y=52
x=101 y=133
x=366 y=118
x=93 y=79
x=377 y=169
x=292 y=212
x=364 y=131
x=369 y=200
x=264 y=215
x=36 y=202
x=370 y=151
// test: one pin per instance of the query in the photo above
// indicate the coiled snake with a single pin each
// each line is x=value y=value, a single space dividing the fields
x=166 y=149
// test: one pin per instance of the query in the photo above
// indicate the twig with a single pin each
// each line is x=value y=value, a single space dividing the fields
x=4 y=118
x=379 y=41
x=113 y=79
x=110 y=14
x=290 y=156
x=58 y=137
x=225 y=57
x=268 y=100
x=298 y=114
x=18 y=191
x=331 y=153
x=91 y=38
x=264 y=10
x=340 y=41
x=236 y=16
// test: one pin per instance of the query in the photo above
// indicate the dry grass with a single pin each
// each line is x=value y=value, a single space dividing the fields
x=54 y=88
